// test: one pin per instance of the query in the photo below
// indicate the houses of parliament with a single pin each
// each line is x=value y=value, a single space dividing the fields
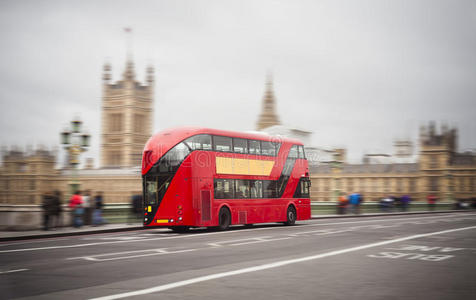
x=127 y=117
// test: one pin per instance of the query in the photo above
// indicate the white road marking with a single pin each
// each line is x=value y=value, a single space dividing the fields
x=261 y=241
x=45 y=240
x=107 y=256
x=270 y=266
x=13 y=271
x=246 y=241
x=224 y=232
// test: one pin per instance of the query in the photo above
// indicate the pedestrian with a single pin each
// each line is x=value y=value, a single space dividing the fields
x=360 y=201
x=354 y=202
x=386 y=204
x=57 y=208
x=77 y=211
x=136 y=208
x=342 y=204
x=47 y=206
x=431 y=199
x=98 y=205
x=88 y=208
x=405 y=202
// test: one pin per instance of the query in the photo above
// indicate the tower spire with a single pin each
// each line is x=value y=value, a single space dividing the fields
x=268 y=116
x=129 y=71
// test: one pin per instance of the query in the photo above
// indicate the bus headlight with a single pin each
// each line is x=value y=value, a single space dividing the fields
x=180 y=219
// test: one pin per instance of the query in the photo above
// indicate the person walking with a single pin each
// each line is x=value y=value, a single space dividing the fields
x=405 y=202
x=342 y=204
x=88 y=208
x=57 y=208
x=77 y=210
x=48 y=211
x=136 y=208
x=98 y=205
x=431 y=199
x=354 y=202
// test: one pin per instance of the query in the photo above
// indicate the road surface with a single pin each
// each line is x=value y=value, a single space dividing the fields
x=392 y=257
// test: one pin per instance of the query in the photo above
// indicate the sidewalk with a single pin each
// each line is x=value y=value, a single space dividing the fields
x=70 y=231
x=67 y=231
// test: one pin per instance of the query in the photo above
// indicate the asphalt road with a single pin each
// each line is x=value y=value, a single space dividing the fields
x=394 y=257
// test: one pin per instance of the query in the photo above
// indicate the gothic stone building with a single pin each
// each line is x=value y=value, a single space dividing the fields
x=440 y=170
x=126 y=125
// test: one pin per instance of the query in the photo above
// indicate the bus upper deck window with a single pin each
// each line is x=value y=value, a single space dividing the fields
x=200 y=142
x=301 y=152
x=293 y=153
x=268 y=148
x=240 y=146
x=222 y=143
x=254 y=147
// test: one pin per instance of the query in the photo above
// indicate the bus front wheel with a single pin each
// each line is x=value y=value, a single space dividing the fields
x=290 y=216
x=224 y=219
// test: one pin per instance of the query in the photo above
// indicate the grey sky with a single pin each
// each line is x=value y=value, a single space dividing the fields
x=357 y=73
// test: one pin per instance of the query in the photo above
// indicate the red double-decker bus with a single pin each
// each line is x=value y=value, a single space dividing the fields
x=199 y=177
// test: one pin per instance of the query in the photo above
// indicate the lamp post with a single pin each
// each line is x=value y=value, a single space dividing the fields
x=75 y=142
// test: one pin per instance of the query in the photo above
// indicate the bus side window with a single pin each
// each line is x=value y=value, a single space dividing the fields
x=205 y=141
x=256 y=189
x=242 y=189
x=222 y=143
x=277 y=146
x=293 y=153
x=300 y=152
x=254 y=147
x=267 y=148
x=240 y=145
x=224 y=188
x=200 y=142
x=269 y=189
x=219 y=191
x=228 y=189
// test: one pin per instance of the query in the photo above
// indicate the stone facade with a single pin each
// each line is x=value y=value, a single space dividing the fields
x=126 y=118
x=26 y=175
x=439 y=170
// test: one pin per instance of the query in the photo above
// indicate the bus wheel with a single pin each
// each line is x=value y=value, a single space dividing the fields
x=291 y=216
x=180 y=229
x=224 y=219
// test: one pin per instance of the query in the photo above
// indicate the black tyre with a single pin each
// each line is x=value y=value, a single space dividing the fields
x=180 y=229
x=290 y=216
x=224 y=219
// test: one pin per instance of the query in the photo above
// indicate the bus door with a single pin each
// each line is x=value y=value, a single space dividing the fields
x=154 y=191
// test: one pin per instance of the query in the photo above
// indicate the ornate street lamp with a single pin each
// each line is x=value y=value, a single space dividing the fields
x=75 y=142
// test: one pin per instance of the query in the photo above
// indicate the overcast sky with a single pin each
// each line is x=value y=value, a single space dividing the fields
x=358 y=74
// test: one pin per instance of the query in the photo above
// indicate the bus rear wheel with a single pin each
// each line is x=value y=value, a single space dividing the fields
x=290 y=216
x=224 y=219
